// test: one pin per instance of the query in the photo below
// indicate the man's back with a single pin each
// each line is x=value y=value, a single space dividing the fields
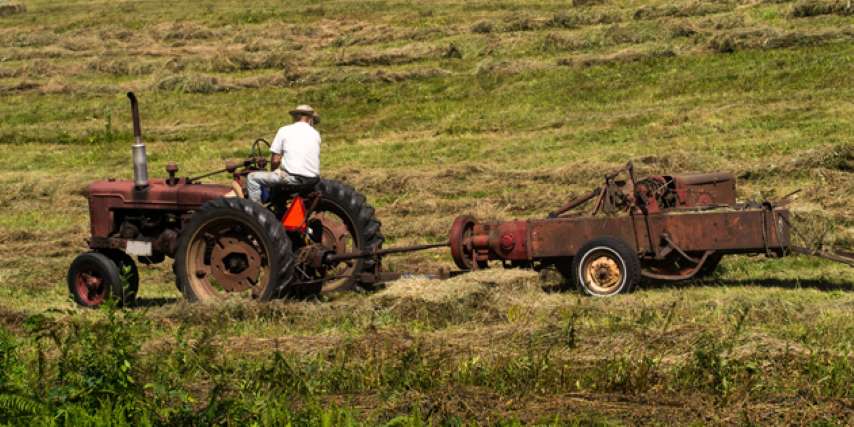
x=299 y=145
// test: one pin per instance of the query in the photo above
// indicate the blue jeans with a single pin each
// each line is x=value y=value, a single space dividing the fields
x=267 y=179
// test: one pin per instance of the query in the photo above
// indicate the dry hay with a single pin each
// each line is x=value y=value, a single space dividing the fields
x=35 y=69
x=181 y=31
x=469 y=297
x=19 y=87
x=556 y=42
x=459 y=288
x=191 y=83
x=835 y=157
x=119 y=66
x=390 y=57
x=573 y=19
x=693 y=9
x=12 y=9
x=621 y=57
x=766 y=38
x=482 y=27
x=816 y=8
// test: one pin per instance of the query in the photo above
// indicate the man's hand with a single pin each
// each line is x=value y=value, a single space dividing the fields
x=275 y=161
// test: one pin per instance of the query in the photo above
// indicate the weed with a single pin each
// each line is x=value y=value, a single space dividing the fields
x=809 y=8
x=190 y=83
x=482 y=27
x=713 y=367
x=12 y=9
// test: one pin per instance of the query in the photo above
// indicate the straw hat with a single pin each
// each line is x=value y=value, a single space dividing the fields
x=305 y=110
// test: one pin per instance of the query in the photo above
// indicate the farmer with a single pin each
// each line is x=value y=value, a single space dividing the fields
x=295 y=158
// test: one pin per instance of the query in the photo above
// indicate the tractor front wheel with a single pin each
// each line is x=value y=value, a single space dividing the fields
x=93 y=277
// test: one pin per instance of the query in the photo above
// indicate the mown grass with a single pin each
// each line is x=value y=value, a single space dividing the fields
x=434 y=109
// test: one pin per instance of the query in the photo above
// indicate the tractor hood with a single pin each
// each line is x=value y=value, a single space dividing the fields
x=105 y=197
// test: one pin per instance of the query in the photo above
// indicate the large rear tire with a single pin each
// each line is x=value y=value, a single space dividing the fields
x=362 y=226
x=233 y=247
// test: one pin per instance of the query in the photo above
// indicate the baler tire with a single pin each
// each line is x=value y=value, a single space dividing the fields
x=103 y=269
x=365 y=223
x=612 y=253
x=563 y=266
x=710 y=266
x=263 y=224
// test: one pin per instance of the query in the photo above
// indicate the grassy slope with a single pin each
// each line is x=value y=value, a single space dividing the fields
x=440 y=108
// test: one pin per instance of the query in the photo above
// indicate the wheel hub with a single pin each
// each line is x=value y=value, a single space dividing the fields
x=90 y=286
x=603 y=274
x=235 y=264
x=330 y=234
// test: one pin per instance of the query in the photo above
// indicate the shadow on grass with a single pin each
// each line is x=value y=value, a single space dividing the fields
x=154 y=302
x=820 y=284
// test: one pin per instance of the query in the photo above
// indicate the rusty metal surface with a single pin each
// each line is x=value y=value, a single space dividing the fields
x=235 y=264
x=332 y=258
x=459 y=239
x=564 y=236
x=728 y=230
x=105 y=197
x=672 y=271
x=696 y=231
x=844 y=258
x=705 y=189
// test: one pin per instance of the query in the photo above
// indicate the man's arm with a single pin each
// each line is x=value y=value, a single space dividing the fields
x=277 y=149
x=275 y=161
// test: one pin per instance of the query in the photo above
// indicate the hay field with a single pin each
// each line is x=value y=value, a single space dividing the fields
x=433 y=109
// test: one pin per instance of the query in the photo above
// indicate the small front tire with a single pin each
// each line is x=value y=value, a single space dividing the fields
x=127 y=271
x=92 y=278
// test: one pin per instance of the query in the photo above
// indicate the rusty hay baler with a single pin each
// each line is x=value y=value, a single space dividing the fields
x=662 y=228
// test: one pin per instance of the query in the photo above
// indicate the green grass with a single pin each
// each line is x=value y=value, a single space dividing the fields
x=538 y=100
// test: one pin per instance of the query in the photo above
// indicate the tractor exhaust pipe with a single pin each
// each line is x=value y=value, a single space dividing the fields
x=140 y=161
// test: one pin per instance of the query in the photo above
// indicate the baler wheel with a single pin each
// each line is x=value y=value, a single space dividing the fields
x=92 y=278
x=233 y=247
x=710 y=266
x=680 y=267
x=606 y=266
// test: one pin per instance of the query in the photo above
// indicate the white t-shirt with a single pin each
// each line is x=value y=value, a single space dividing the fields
x=299 y=145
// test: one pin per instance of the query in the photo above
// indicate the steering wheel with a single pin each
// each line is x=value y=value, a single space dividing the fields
x=256 y=147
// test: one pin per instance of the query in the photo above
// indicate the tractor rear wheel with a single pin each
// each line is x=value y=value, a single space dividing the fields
x=233 y=247
x=343 y=222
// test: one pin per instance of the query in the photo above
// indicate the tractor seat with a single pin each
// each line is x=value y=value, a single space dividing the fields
x=304 y=188
x=278 y=192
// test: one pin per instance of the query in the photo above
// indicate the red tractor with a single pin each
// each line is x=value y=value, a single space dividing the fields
x=223 y=244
